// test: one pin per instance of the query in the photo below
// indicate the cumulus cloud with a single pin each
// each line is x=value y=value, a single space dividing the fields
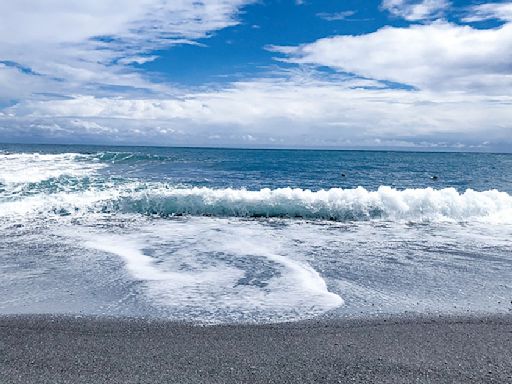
x=415 y=10
x=439 y=56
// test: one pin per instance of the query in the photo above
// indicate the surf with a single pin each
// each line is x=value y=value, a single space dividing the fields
x=336 y=204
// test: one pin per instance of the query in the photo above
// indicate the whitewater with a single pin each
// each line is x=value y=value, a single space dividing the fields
x=213 y=236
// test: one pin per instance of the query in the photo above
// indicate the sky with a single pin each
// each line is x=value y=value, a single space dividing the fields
x=399 y=74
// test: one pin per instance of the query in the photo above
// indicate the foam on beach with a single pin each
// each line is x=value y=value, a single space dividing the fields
x=211 y=272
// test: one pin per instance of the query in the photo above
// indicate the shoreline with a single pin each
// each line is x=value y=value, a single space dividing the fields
x=389 y=349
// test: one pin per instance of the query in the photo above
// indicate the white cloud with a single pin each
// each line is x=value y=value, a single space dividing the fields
x=336 y=16
x=90 y=43
x=415 y=10
x=438 y=57
x=137 y=59
x=287 y=111
x=65 y=82
x=500 y=11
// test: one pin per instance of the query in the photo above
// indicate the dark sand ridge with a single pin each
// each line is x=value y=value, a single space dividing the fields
x=57 y=349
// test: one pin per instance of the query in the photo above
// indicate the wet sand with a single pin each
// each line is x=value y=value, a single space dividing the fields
x=59 y=349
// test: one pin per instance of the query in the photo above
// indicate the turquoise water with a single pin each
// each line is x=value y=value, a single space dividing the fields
x=223 y=235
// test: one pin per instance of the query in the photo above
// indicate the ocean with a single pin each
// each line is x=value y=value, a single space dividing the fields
x=253 y=236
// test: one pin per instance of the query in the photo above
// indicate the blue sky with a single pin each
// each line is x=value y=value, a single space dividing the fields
x=237 y=52
x=426 y=74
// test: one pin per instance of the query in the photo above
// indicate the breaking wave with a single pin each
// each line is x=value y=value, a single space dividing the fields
x=358 y=204
x=24 y=168
x=72 y=184
x=334 y=204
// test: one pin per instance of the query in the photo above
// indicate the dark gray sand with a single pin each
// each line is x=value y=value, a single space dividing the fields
x=46 y=349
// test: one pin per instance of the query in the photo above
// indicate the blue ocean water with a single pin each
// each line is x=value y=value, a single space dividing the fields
x=255 y=169
x=230 y=235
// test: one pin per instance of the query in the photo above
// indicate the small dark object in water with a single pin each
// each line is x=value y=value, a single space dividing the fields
x=434 y=177
x=342 y=175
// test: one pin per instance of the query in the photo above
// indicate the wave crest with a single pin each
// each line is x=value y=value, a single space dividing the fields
x=25 y=168
x=358 y=204
x=334 y=204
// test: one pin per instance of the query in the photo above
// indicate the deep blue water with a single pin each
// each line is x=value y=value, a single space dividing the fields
x=255 y=169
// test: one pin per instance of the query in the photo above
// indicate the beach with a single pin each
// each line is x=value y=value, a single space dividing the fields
x=426 y=349
x=244 y=191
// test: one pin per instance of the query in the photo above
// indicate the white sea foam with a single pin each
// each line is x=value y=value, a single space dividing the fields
x=18 y=171
x=228 y=273
x=18 y=168
x=145 y=268
x=335 y=204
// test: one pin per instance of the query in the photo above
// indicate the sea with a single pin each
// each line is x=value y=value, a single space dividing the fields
x=213 y=236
